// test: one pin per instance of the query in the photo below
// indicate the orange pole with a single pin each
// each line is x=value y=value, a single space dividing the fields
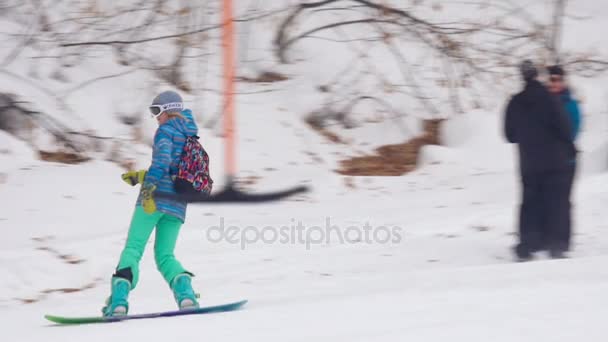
x=229 y=87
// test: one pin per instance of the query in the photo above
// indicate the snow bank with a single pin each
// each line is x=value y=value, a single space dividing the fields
x=14 y=153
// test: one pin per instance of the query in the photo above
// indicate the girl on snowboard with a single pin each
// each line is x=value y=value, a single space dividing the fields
x=175 y=124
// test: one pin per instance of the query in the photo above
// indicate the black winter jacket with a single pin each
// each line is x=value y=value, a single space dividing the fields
x=537 y=123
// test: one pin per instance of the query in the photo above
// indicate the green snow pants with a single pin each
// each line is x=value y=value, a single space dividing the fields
x=142 y=225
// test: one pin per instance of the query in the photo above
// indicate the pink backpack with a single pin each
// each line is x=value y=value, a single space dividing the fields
x=193 y=169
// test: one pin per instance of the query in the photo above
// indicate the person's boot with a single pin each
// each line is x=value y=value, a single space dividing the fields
x=185 y=297
x=557 y=253
x=118 y=302
x=522 y=253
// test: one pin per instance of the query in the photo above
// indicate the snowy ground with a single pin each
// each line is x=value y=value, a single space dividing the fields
x=447 y=276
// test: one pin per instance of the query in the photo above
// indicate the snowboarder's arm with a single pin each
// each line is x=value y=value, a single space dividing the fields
x=161 y=158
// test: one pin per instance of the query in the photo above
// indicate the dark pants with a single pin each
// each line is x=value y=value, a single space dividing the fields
x=544 y=221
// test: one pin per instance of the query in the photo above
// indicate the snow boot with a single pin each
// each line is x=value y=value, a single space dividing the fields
x=117 y=304
x=183 y=292
x=522 y=253
x=557 y=253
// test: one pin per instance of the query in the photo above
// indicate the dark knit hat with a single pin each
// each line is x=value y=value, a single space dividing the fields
x=528 y=70
x=556 y=70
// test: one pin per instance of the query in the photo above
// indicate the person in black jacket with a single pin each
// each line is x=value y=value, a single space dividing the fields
x=535 y=121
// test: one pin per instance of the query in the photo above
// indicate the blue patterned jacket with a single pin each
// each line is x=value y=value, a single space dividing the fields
x=169 y=142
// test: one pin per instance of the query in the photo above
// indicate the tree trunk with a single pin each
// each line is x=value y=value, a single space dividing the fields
x=558 y=17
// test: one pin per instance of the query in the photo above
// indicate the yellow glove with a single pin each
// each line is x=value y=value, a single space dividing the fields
x=147 y=200
x=134 y=177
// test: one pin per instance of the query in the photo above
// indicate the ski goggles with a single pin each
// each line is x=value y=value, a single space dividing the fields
x=157 y=110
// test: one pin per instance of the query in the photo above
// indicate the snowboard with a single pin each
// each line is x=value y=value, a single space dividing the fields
x=101 y=319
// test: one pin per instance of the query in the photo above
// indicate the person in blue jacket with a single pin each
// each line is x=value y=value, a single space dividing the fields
x=559 y=88
x=165 y=215
x=537 y=123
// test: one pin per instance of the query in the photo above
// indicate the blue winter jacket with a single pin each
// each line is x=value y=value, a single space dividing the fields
x=169 y=142
x=573 y=112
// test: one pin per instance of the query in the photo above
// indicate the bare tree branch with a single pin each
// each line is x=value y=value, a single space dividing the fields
x=143 y=40
x=82 y=85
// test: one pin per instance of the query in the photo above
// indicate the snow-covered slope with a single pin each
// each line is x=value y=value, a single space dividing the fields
x=445 y=274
